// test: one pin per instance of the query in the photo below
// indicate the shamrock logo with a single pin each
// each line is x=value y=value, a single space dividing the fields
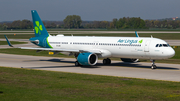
x=140 y=41
x=38 y=28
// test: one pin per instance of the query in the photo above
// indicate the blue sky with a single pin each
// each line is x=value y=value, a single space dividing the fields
x=89 y=10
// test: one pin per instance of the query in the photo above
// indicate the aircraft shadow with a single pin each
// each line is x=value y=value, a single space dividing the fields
x=91 y=67
x=50 y=67
x=52 y=60
x=124 y=64
x=58 y=60
x=62 y=60
x=135 y=65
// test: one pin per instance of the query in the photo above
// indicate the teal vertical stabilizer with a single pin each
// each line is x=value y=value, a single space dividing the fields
x=39 y=29
x=41 y=34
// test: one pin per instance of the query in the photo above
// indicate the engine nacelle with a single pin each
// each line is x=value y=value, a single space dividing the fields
x=129 y=60
x=87 y=58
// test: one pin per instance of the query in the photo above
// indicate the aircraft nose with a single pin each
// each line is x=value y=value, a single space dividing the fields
x=170 y=52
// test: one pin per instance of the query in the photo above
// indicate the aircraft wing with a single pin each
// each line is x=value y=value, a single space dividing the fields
x=63 y=50
x=55 y=49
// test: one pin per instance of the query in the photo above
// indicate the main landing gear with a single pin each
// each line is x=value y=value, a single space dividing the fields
x=153 y=64
x=77 y=63
x=106 y=61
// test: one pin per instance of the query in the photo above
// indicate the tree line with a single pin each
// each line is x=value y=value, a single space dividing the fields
x=75 y=22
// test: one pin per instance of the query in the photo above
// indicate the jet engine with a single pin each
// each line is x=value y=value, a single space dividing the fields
x=129 y=60
x=87 y=58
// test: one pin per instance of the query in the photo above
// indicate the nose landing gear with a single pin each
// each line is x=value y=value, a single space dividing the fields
x=153 y=64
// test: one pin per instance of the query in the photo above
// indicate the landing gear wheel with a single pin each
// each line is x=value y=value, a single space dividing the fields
x=109 y=61
x=77 y=63
x=153 y=66
x=106 y=61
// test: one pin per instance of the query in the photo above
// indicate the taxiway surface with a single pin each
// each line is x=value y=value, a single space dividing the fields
x=169 y=72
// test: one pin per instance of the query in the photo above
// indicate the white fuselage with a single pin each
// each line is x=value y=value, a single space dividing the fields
x=122 y=47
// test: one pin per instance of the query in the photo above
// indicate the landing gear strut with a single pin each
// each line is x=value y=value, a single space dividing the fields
x=106 y=61
x=77 y=64
x=153 y=64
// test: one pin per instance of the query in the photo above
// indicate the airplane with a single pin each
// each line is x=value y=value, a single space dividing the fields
x=88 y=49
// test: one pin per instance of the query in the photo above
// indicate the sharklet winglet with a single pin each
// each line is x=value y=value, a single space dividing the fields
x=39 y=28
x=9 y=43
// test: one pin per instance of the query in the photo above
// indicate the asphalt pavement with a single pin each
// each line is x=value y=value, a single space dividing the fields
x=168 y=72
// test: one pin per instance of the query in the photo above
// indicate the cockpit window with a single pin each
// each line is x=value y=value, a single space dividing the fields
x=157 y=45
x=163 y=45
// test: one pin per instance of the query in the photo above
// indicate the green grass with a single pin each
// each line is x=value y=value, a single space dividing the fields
x=12 y=42
x=17 y=36
x=169 y=36
x=36 y=85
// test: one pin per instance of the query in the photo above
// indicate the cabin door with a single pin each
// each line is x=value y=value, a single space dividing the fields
x=96 y=43
x=146 y=47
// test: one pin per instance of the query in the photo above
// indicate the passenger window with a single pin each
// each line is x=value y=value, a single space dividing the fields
x=160 y=45
x=157 y=45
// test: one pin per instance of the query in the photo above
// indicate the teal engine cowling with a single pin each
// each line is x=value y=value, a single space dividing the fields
x=87 y=58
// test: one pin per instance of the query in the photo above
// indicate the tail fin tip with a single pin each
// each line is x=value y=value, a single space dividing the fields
x=39 y=28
